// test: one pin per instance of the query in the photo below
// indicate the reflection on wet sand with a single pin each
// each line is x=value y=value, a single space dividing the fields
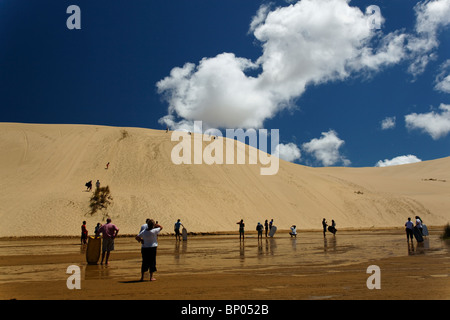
x=96 y=272
x=180 y=250
x=208 y=254
x=418 y=247
x=329 y=244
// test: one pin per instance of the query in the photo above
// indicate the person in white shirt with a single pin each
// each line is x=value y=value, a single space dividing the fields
x=145 y=225
x=149 y=239
x=293 y=232
x=409 y=229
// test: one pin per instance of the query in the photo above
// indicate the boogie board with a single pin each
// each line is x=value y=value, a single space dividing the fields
x=332 y=229
x=417 y=234
x=184 y=234
x=272 y=231
x=424 y=230
x=93 y=250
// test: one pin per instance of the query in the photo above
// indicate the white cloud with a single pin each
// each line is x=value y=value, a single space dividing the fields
x=308 y=42
x=218 y=92
x=259 y=17
x=326 y=149
x=436 y=124
x=182 y=125
x=398 y=161
x=313 y=42
x=431 y=17
x=444 y=84
x=388 y=123
x=288 y=152
x=443 y=78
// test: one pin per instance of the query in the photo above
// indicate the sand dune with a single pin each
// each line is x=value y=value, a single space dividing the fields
x=43 y=169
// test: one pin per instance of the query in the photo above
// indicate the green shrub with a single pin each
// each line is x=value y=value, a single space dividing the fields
x=124 y=133
x=100 y=200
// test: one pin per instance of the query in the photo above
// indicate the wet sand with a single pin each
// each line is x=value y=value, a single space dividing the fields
x=221 y=267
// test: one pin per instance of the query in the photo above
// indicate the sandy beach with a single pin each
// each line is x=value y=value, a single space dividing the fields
x=220 y=267
x=44 y=201
x=45 y=167
x=329 y=119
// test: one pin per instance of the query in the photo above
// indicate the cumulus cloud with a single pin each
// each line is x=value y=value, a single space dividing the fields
x=431 y=17
x=443 y=78
x=388 y=123
x=260 y=16
x=218 y=92
x=398 y=161
x=288 y=152
x=306 y=43
x=309 y=42
x=326 y=149
x=436 y=124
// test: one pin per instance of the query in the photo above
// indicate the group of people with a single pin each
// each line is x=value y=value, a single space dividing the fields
x=293 y=233
x=260 y=228
x=326 y=227
x=109 y=232
x=89 y=185
x=97 y=184
x=147 y=236
x=409 y=228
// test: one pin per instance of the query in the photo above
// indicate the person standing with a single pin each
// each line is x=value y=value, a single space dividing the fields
x=97 y=184
x=241 y=229
x=409 y=229
x=109 y=232
x=97 y=227
x=333 y=227
x=176 y=228
x=324 y=225
x=84 y=233
x=144 y=226
x=419 y=224
x=293 y=232
x=259 y=228
x=149 y=239
x=266 y=227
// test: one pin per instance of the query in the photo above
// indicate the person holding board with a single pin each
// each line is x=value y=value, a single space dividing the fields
x=177 y=229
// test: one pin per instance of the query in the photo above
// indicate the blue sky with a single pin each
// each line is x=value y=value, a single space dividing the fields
x=315 y=70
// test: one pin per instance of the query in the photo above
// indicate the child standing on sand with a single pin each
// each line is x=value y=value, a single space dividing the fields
x=84 y=233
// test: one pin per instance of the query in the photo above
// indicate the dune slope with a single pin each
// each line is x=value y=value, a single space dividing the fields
x=43 y=169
